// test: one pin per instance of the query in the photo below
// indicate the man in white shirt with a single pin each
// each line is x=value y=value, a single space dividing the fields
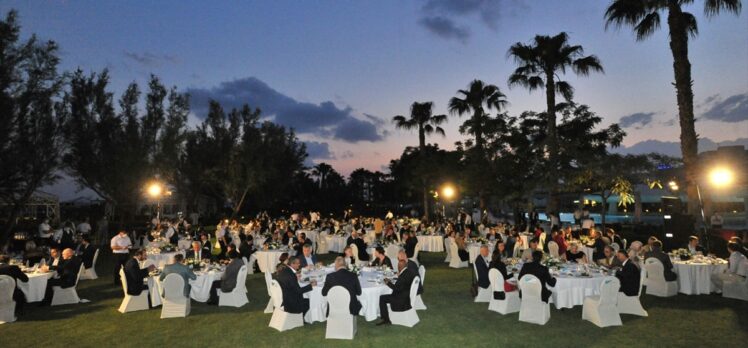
x=44 y=232
x=737 y=270
x=84 y=227
x=389 y=215
x=120 y=245
x=716 y=221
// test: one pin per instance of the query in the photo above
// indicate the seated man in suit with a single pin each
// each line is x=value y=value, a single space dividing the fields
x=412 y=266
x=410 y=243
x=15 y=273
x=629 y=274
x=541 y=272
x=527 y=253
x=610 y=260
x=694 y=247
x=360 y=244
x=227 y=283
x=481 y=266
x=67 y=275
x=247 y=247
x=306 y=258
x=399 y=299
x=293 y=294
x=179 y=268
x=664 y=258
x=53 y=260
x=299 y=243
x=348 y=280
x=197 y=252
x=86 y=252
x=380 y=258
x=206 y=246
x=737 y=267
x=135 y=275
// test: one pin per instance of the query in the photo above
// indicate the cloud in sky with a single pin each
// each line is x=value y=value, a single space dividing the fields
x=325 y=119
x=672 y=148
x=732 y=109
x=445 y=28
x=149 y=59
x=318 y=150
x=637 y=120
x=443 y=18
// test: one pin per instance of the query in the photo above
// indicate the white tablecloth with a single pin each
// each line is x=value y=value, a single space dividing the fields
x=35 y=287
x=163 y=259
x=571 y=291
x=695 y=278
x=370 y=292
x=589 y=252
x=336 y=243
x=200 y=290
x=267 y=260
x=431 y=243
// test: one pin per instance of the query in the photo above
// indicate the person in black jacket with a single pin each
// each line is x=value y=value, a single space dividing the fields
x=481 y=267
x=346 y=279
x=412 y=267
x=15 y=273
x=293 y=294
x=360 y=244
x=598 y=244
x=410 y=244
x=501 y=267
x=664 y=259
x=380 y=258
x=67 y=275
x=135 y=275
x=694 y=247
x=399 y=299
x=629 y=274
x=539 y=271
x=228 y=280
x=86 y=252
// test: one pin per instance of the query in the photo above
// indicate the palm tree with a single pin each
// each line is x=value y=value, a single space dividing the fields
x=644 y=17
x=321 y=171
x=473 y=100
x=422 y=118
x=539 y=66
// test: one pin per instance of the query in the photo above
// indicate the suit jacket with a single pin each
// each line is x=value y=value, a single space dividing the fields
x=542 y=273
x=609 y=262
x=49 y=260
x=135 y=275
x=349 y=281
x=299 y=245
x=183 y=271
x=599 y=246
x=361 y=245
x=67 y=271
x=303 y=260
x=228 y=280
x=400 y=297
x=293 y=294
x=482 y=269
x=630 y=277
x=410 y=246
x=87 y=255
x=246 y=250
x=385 y=262
x=665 y=259
x=14 y=272
x=207 y=248
x=191 y=254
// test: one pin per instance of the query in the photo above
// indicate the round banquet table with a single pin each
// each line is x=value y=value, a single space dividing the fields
x=162 y=259
x=267 y=260
x=474 y=249
x=35 y=287
x=200 y=287
x=570 y=291
x=587 y=251
x=694 y=278
x=369 y=298
x=336 y=243
x=431 y=243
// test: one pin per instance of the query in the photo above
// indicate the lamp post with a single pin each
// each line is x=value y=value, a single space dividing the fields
x=156 y=190
x=448 y=192
x=719 y=178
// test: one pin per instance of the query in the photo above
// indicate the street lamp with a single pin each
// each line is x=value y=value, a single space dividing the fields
x=448 y=192
x=156 y=190
x=721 y=177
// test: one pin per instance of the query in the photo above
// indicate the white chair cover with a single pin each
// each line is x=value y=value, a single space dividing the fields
x=341 y=324
x=736 y=287
x=631 y=304
x=238 y=296
x=90 y=273
x=484 y=295
x=455 y=261
x=7 y=305
x=69 y=295
x=511 y=301
x=553 y=249
x=268 y=284
x=419 y=305
x=282 y=320
x=322 y=247
x=354 y=249
x=407 y=318
x=532 y=308
x=415 y=253
x=132 y=303
x=602 y=310
x=656 y=284
x=173 y=302
x=447 y=242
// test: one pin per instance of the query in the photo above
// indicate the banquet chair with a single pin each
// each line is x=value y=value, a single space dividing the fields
x=341 y=324
x=238 y=296
x=553 y=249
x=268 y=283
x=656 y=284
x=511 y=301
x=354 y=249
x=132 y=303
x=415 y=253
x=454 y=257
x=250 y=264
x=409 y=317
x=484 y=295
x=282 y=320
x=63 y=296
x=447 y=241
x=173 y=302
x=602 y=310
x=419 y=305
x=90 y=273
x=631 y=304
x=7 y=305
x=736 y=288
x=532 y=309
x=322 y=247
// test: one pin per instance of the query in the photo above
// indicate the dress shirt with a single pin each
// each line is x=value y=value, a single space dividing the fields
x=121 y=242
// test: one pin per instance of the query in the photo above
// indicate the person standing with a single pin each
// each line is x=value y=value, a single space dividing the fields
x=84 y=227
x=120 y=245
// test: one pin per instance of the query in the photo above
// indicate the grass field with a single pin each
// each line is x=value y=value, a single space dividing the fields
x=452 y=320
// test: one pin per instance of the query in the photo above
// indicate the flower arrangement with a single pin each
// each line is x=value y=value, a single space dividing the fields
x=354 y=269
x=552 y=262
x=481 y=240
x=586 y=240
x=274 y=245
x=682 y=253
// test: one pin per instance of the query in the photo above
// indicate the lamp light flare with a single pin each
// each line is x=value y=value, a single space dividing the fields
x=448 y=192
x=155 y=189
x=721 y=177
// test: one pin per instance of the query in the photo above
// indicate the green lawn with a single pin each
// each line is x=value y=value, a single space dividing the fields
x=451 y=320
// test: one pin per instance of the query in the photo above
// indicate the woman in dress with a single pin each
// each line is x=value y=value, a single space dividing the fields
x=461 y=249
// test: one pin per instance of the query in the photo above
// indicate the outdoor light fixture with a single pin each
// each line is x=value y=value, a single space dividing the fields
x=155 y=189
x=448 y=192
x=673 y=185
x=721 y=177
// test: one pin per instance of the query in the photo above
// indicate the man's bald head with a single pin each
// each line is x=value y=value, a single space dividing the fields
x=339 y=262
x=67 y=253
